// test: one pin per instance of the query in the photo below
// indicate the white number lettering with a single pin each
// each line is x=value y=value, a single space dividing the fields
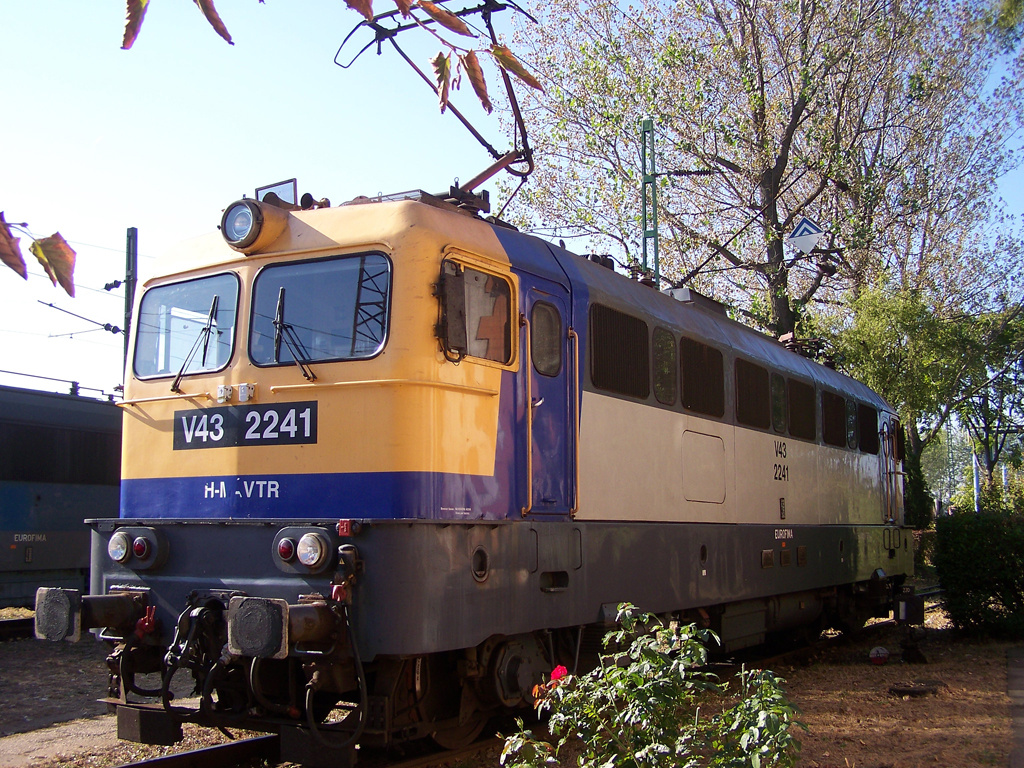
x=270 y=432
x=201 y=430
x=305 y=420
x=253 y=419
x=189 y=427
x=217 y=427
x=288 y=424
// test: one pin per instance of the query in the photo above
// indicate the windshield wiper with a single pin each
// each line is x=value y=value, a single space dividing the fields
x=204 y=337
x=284 y=331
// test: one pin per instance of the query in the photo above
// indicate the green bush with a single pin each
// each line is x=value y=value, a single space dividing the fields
x=654 y=704
x=980 y=562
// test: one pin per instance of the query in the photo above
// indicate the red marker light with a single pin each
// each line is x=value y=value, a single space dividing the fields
x=140 y=548
x=286 y=549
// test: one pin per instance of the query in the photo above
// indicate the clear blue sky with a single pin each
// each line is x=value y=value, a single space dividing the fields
x=163 y=136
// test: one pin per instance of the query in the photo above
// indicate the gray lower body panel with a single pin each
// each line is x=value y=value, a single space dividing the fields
x=426 y=586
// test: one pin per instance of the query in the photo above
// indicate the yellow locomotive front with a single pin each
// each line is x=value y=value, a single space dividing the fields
x=303 y=378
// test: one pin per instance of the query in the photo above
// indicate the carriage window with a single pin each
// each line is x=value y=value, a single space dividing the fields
x=664 y=366
x=833 y=419
x=901 y=441
x=620 y=352
x=187 y=326
x=333 y=309
x=703 y=373
x=546 y=338
x=851 y=423
x=802 y=421
x=752 y=398
x=867 y=423
x=778 y=402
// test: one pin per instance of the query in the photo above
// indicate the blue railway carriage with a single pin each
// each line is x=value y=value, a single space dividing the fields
x=60 y=459
x=388 y=463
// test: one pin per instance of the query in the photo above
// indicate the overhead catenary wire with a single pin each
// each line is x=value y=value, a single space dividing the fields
x=103 y=326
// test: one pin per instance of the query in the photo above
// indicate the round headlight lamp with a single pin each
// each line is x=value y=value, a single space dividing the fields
x=251 y=225
x=312 y=549
x=241 y=223
x=119 y=548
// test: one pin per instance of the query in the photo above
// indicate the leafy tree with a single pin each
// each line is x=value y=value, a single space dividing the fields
x=944 y=461
x=875 y=119
x=993 y=413
x=933 y=362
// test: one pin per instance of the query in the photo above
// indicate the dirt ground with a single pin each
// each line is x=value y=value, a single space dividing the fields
x=845 y=701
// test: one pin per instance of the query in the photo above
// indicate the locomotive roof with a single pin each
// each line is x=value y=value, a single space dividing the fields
x=704 y=320
x=29 y=406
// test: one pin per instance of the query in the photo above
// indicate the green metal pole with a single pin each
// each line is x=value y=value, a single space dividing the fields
x=130 y=269
x=649 y=201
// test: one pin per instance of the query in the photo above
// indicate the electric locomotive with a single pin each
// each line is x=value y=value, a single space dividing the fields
x=388 y=463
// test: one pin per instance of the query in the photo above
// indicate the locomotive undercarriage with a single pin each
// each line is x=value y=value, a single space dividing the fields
x=319 y=697
x=444 y=615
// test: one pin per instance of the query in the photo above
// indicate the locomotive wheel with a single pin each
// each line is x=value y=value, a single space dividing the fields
x=461 y=735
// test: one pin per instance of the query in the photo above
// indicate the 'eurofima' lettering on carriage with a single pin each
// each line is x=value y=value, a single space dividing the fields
x=806 y=234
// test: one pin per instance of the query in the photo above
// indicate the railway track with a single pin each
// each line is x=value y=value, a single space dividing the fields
x=264 y=751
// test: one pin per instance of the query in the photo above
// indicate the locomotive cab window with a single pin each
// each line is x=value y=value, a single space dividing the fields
x=476 y=314
x=186 y=327
x=322 y=310
x=546 y=338
x=851 y=423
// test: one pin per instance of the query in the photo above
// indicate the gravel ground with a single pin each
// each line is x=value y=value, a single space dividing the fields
x=854 y=721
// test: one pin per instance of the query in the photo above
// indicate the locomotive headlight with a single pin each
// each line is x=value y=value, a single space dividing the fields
x=241 y=223
x=312 y=549
x=249 y=225
x=119 y=547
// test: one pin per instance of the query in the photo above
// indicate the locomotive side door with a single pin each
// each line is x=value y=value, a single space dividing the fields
x=549 y=362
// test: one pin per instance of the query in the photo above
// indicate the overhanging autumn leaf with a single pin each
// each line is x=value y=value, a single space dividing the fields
x=10 y=252
x=443 y=71
x=476 y=79
x=135 y=13
x=446 y=19
x=511 y=64
x=405 y=6
x=210 y=12
x=364 y=7
x=58 y=259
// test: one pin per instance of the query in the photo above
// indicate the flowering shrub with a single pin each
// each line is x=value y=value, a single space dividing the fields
x=644 y=707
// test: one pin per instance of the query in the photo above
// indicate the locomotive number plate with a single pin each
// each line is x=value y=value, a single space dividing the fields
x=235 y=425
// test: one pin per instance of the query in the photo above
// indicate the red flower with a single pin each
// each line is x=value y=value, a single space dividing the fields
x=558 y=673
